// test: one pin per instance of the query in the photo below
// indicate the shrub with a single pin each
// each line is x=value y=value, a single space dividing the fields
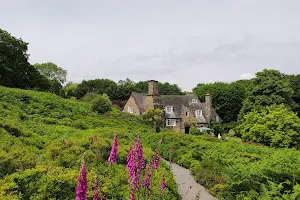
x=195 y=131
x=274 y=126
x=90 y=97
x=101 y=104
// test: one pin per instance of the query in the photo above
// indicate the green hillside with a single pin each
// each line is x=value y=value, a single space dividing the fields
x=43 y=140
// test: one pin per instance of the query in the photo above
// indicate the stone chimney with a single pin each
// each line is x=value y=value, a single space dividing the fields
x=152 y=88
x=153 y=97
x=208 y=105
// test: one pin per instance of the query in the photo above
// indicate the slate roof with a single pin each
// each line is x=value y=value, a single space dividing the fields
x=179 y=103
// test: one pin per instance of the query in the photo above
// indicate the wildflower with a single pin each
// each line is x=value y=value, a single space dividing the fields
x=82 y=186
x=140 y=160
x=147 y=179
x=96 y=197
x=155 y=160
x=130 y=164
x=113 y=154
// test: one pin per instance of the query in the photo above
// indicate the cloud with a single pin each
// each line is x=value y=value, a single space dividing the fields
x=187 y=42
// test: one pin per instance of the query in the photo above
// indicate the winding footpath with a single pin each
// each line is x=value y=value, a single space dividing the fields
x=188 y=188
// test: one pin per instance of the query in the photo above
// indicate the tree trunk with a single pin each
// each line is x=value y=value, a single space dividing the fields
x=154 y=125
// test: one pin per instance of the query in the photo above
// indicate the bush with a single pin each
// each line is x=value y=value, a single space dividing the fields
x=195 y=131
x=101 y=104
x=274 y=126
x=90 y=97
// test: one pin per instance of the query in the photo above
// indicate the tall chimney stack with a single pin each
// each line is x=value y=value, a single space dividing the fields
x=152 y=88
x=153 y=98
x=208 y=104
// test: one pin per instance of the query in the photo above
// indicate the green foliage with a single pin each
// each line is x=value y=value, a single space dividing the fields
x=295 y=84
x=163 y=88
x=217 y=127
x=155 y=116
x=69 y=90
x=195 y=131
x=269 y=87
x=274 y=126
x=101 y=104
x=56 y=75
x=15 y=70
x=43 y=140
x=227 y=98
x=234 y=170
x=98 y=86
x=89 y=97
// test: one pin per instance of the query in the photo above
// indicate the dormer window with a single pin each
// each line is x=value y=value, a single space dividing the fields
x=169 y=109
x=198 y=113
x=194 y=100
x=130 y=109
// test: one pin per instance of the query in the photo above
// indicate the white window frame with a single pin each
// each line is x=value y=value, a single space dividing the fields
x=130 y=109
x=187 y=114
x=194 y=100
x=170 y=122
x=169 y=109
x=198 y=113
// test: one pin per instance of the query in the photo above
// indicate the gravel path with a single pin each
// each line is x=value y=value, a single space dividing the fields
x=188 y=188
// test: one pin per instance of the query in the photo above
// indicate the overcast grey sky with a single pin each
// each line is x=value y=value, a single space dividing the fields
x=184 y=42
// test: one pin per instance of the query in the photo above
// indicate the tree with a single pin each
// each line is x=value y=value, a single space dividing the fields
x=269 y=87
x=227 y=98
x=56 y=75
x=275 y=126
x=125 y=88
x=101 y=104
x=295 y=84
x=98 y=86
x=69 y=90
x=15 y=70
x=153 y=115
x=163 y=88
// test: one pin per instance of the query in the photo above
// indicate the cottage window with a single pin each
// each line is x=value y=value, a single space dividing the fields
x=170 y=122
x=169 y=109
x=130 y=109
x=194 y=100
x=187 y=114
x=198 y=113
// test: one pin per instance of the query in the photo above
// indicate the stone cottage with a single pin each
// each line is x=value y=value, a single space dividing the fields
x=180 y=111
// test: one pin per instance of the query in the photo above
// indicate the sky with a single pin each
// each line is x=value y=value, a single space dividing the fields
x=184 y=42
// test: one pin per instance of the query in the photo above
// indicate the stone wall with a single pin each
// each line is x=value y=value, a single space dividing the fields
x=131 y=102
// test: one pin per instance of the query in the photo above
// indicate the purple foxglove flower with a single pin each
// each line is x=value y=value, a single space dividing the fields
x=96 y=196
x=82 y=185
x=113 y=154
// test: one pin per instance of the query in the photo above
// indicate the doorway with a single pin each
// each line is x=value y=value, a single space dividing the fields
x=187 y=130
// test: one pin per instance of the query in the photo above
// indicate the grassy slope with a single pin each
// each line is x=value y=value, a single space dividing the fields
x=43 y=139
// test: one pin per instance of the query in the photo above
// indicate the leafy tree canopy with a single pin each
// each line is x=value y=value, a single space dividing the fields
x=295 y=83
x=227 y=98
x=269 y=87
x=99 y=86
x=52 y=72
x=274 y=126
x=15 y=70
x=163 y=88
